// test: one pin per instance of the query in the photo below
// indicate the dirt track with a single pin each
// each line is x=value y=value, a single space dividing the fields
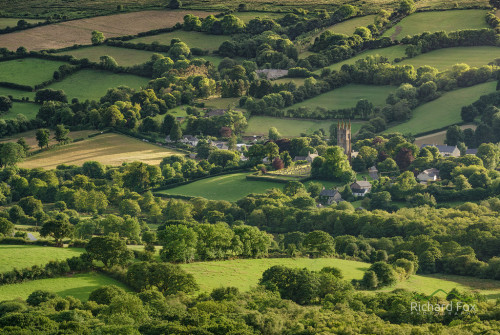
x=66 y=34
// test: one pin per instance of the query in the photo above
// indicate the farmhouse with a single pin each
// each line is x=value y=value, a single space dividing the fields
x=329 y=196
x=186 y=139
x=309 y=158
x=220 y=145
x=428 y=175
x=361 y=188
x=445 y=150
x=471 y=152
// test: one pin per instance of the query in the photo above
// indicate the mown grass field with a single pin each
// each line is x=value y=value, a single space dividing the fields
x=259 y=125
x=245 y=274
x=12 y=21
x=444 y=59
x=93 y=84
x=347 y=97
x=451 y=20
x=30 y=138
x=29 y=110
x=78 y=286
x=229 y=187
x=391 y=53
x=191 y=38
x=28 y=71
x=108 y=149
x=124 y=57
x=444 y=111
x=22 y=256
x=439 y=137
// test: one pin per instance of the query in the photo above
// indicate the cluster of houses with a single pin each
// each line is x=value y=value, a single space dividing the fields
x=359 y=188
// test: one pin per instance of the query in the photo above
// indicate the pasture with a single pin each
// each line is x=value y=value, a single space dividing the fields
x=12 y=21
x=245 y=274
x=259 y=125
x=29 y=110
x=451 y=20
x=396 y=51
x=16 y=94
x=93 y=84
x=65 y=34
x=221 y=103
x=124 y=57
x=78 y=286
x=444 y=59
x=297 y=81
x=439 y=137
x=191 y=38
x=28 y=71
x=30 y=138
x=347 y=27
x=247 y=16
x=347 y=97
x=108 y=149
x=444 y=111
x=23 y=256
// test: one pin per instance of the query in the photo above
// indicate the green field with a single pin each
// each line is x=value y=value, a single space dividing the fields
x=348 y=27
x=191 y=38
x=22 y=256
x=443 y=59
x=347 y=97
x=214 y=59
x=78 y=286
x=259 y=125
x=297 y=81
x=247 y=16
x=444 y=111
x=245 y=274
x=28 y=71
x=12 y=21
x=230 y=187
x=27 y=109
x=391 y=53
x=124 y=57
x=93 y=84
x=451 y=20
x=221 y=103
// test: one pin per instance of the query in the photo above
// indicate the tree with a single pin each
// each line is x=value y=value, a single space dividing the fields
x=286 y=158
x=380 y=200
x=6 y=227
x=454 y=134
x=274 y=134
x=176 y=132
x=489 y=154
x=111 y=251
x=22 y=142
x=11 y=154
x=5 y=104
x=334 y=165
x=406 y=7
x=58 y=229
x=293 y=187
x=174 y=4
x=42 y=137
x=97 y=37
x=320 y=243
x=370 y=280
x=108 y=62
x=179 y=244
x=278 y=163
x=61 y=134
x=104 y=294
x=385 y=273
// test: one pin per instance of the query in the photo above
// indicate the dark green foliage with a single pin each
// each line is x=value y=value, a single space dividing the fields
x=111 y=251
x=105 y=294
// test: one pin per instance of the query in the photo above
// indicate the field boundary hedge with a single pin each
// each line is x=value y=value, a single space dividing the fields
x=170 y=186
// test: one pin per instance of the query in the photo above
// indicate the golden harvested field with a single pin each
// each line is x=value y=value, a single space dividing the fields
x=108 y=149
x=65 y=34
x=30 y=138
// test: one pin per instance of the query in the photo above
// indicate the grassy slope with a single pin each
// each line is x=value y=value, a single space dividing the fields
x=230 y=187
x=78 y=286
x=390 y=52
x=124 y=57
x=16 y=94
x=27 y=109
x=348 y=27
x=443 y=111
x=443 y=59
x=12 y=21
x=259 y=125
x=451 y=20
x=247 y=16
x=221 y=103
x=96 y=83
x=109 y=149
x=245 y=273
x=30 y=138
x=22 y=256
x=28 y=71
x=191 y=38
x=347 y=97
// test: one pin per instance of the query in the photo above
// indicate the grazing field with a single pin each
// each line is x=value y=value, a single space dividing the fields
x=65 y=34
x=78 y=286
x=108 y=149
x=23 y=256
x=259 y=125
x=439 y=137
x=348 y=27
x=347 y=97
x=245 y=274
x=16 y=94
x=12 y=21
x=124 y=57
x=93 y=84
x=29 y=136
x=444 y=111
x=390 y=53
x=451 y=20
x=297 y=81
x=221 y=103
x=28 y=71
x=247 y=16
x=191 y=38
x=214 y=59
x=444 y=59
x=29 y=110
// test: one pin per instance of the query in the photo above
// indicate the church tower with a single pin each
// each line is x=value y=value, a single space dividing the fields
x=344 y=137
